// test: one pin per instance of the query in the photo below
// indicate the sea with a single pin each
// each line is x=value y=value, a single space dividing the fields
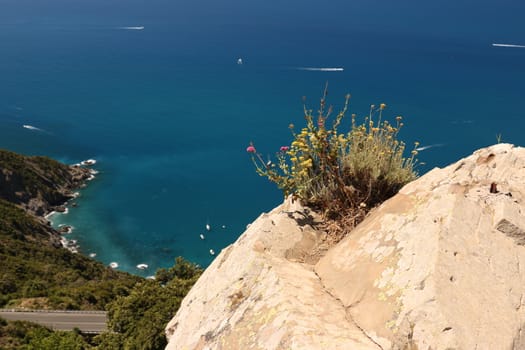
x=167 y=95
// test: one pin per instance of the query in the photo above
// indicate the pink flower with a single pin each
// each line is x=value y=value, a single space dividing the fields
x=284 y=148
x=250 y=149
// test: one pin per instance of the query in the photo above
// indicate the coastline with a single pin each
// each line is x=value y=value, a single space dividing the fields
x=81 y=173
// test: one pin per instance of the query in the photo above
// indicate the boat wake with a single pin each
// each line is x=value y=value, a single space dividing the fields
x=321 y=69
x=422 y=148
x=509 y=45
x=31 y=127
x=131 y=28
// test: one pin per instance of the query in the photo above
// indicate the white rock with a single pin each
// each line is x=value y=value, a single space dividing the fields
x=440 y=266
x=454 y=278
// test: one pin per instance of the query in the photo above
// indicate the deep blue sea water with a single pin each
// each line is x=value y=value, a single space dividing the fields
x=167 y=112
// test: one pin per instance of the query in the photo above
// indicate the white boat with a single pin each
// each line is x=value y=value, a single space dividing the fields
x=113 y=265
x=239 y=61
x=223 y=226
x=201 y=236
x=208 y=227
x=142 y=266
x=212 y=252
x=92 y=255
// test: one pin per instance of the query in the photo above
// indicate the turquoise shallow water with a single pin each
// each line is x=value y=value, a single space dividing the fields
x=167 y=112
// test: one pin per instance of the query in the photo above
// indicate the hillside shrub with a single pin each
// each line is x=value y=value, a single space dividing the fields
x=341 y=173
x=140 y=318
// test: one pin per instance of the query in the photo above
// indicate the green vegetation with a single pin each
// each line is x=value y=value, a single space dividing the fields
x=137 y=320
x=23 y=178
x=29 y=336
x=140 y=318
x=37 y=273
x=341 y=174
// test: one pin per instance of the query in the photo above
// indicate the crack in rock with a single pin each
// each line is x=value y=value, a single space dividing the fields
x=348 y=316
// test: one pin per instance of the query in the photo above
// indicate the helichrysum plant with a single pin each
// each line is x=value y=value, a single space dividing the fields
x=341 y=173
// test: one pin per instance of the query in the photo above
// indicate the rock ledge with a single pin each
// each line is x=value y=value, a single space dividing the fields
x=438 y=266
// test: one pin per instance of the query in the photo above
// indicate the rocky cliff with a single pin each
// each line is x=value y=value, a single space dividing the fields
x=38 y=184
x=438 y=266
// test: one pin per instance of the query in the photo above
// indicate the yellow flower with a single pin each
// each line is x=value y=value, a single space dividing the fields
x=307 y=163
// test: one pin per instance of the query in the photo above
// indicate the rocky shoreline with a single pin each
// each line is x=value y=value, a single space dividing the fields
x=42 y=186
x=36 y=271
x=80 y=175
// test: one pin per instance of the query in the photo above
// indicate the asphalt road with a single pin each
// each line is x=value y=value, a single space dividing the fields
x=92 y=322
